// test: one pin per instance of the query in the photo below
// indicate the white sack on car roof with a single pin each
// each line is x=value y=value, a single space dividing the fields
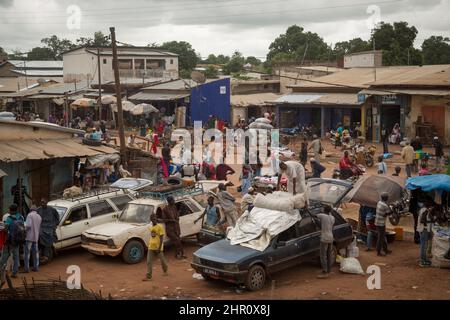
x=280 y=201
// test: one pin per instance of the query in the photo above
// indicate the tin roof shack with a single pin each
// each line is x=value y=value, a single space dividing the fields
x=427 y=90
x=188 y=100
x=254 y=86
x=43 y=155
x=246 y=106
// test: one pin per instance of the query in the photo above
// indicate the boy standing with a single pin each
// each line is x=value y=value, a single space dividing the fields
x=155 y=247
x=326 y=241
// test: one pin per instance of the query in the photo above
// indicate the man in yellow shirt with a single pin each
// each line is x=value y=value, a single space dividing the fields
x=155 y=247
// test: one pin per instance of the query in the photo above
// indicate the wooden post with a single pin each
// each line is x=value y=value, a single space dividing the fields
x=123 y=148
x=99 y=85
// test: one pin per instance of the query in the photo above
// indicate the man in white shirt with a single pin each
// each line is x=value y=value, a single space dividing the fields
x=32 y=225
x=326 y=241
x=424 y=227
x=295 y=174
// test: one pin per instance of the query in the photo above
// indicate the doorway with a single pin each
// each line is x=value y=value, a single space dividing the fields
x=390 y=115
x=40 y=180
x=436 y=116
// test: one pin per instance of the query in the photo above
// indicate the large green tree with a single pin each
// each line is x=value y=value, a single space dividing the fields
x=397 y=42
x=296 y=44
x=253 y=61
x=436 y=50
x=99 y=40
x=57 y=46
x=39 y=53
x=236 y=63
x=351 y=46
x=187 y=57
x=3 y=54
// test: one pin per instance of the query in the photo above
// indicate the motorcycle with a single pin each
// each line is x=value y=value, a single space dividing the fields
x=399 y=208
x=357 y=171
x=367 y=153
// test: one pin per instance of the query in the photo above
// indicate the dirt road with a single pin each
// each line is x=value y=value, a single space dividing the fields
x=401 y=277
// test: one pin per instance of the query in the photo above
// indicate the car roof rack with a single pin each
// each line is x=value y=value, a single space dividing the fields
x=95 y=193
x=182 y=191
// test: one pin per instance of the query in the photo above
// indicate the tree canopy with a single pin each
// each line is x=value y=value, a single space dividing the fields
x=436 y=50
x=235 y=64
x=187 y=57
x=99 y=40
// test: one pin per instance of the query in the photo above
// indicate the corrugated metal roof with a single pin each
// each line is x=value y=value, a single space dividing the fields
x=134 y=51
x=299 y=98
x=39 y=73
x=396 y=75
x=419 y=92
x=180 y=84
x=19 y=150
x=36 y=64
x=319 y=98
x=154 y=96
x=255 y=99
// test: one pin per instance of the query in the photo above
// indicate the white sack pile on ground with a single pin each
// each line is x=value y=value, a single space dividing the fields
x=255 y=229
x=440 y=247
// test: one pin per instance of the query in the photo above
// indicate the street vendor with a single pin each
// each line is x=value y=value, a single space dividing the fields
x=295 y=174
x=171 y=218
x=47 y=234
x=227 y=201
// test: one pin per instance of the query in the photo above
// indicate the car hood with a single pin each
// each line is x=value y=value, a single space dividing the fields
x=223 y=252
x=110 y=229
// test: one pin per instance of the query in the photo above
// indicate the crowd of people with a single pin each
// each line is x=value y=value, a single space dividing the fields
x=33 y=233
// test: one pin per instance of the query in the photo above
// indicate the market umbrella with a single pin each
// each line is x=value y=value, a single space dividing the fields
x=84 y=102
x=367 y=190
x=143 y=108
x=126 y=106
x=429 y=182
x=108 y=99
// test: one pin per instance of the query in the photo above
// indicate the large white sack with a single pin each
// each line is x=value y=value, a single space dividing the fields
x=263 y=120
x=351 y=265
x=255 y=229
x=280 y=201
x=440 y=247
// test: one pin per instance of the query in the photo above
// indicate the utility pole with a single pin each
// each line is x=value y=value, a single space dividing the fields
x=374 y=61
x=99 y=84
x=25 y=70
x=123 y=148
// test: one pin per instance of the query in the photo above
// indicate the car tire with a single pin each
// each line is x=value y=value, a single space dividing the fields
x=133 y=252
x=256 y=278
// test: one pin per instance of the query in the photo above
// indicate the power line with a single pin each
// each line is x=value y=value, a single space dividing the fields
x=194 y=19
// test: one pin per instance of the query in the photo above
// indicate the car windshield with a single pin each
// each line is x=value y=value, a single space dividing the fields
x=326 y=192
x=136 y=213
x=61 y=211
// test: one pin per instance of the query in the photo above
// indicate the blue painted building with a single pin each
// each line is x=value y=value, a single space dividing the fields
x=189 y=100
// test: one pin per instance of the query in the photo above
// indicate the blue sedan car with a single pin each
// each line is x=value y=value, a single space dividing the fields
x=242 y=265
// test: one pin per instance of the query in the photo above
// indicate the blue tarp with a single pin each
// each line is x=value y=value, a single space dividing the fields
x=429 y=182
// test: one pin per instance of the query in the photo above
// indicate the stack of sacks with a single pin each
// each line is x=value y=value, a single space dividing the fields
x=280 y=201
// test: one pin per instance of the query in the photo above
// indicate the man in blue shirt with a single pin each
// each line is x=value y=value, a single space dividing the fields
x=212 y=213
x=11 y=246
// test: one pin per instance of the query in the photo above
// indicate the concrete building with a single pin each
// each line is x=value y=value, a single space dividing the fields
x=254 y=86
x=134 y=63
x=364 y=59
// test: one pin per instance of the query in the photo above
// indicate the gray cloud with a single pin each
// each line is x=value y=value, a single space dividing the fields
x=219 y=26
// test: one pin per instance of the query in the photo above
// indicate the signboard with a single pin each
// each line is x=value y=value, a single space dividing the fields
x=223 y=90
x=389 y=99
x=361 y=97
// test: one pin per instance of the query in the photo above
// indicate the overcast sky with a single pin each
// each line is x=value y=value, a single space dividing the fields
x=212 y=26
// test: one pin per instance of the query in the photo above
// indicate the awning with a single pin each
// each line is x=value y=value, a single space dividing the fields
x=419 y=92
x=320 y=99
x=151 y=96
x=256 y=99
x=37 y=149
x=2 y=173
x=100 y=159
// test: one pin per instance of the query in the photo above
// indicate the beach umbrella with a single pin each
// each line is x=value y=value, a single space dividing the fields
x=84 y=103
x=108 y=99
x=126 y=106
x=143 y=108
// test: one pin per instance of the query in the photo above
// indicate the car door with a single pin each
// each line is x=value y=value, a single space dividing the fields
x=285 y=250
x=342 y=232
x=101 y=212
x=309 y=235
x=187 y=218
x=73 y=225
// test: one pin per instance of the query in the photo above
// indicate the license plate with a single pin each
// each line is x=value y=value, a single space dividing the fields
x=210 y=271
